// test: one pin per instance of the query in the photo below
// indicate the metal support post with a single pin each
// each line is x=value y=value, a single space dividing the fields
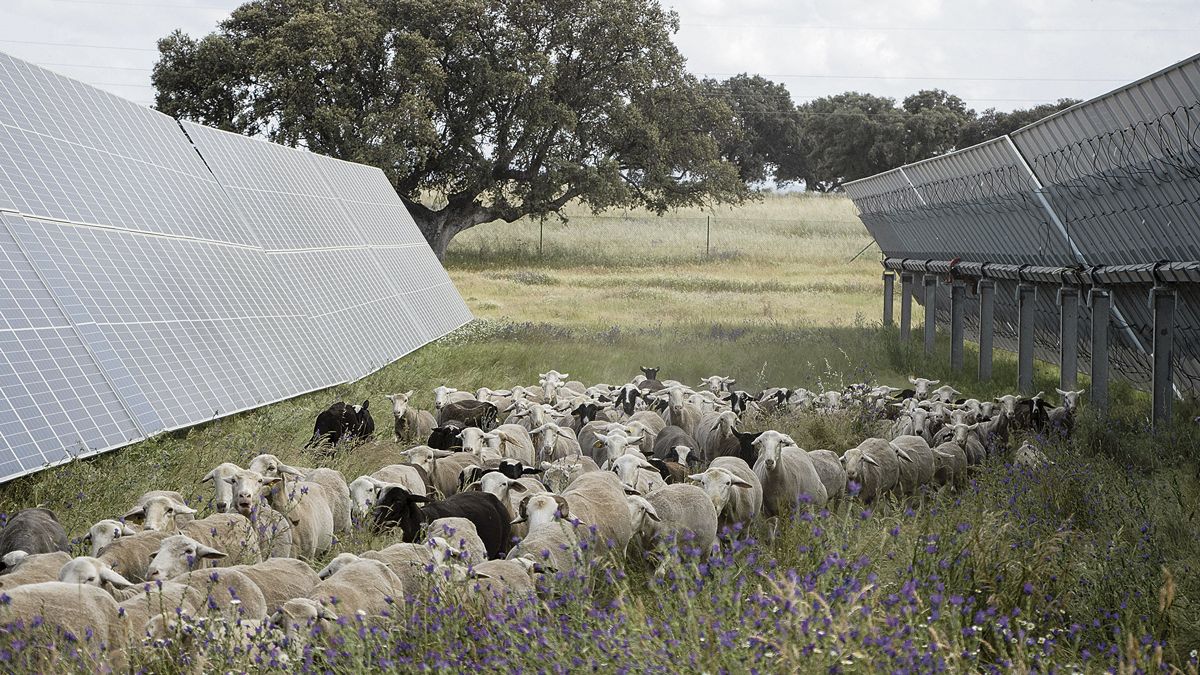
x=1026 y=296
x=958 y=306
x=889 y=289
x=1163 y=303
x=906 y=296
x=987 y=326
x=1068 y=302
x=930 y=312
x=1099 y=300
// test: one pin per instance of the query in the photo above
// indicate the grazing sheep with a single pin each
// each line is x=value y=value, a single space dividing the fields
x=832 y=474
x=106 y=532
x=364 y=490
x=157 y=600
x=718 y=384
x=552 y=542
x=597 y=499
x=670 y=438
x=360 y=586
x=715 y=437
x=159 y=512
x=229 y=532
x=461 y=534
x=92 y=572
x=222 y=488
x=949 y=465
x=341 y=421
x=512 y=441
x=179 y=554
x=304 y=504
x=280 y=579
x=300 y=618
x=442 y=467
x=274 y=530
x=637 y=474
x=686 y=514
x=613 y=445
x=787 y=474
x=33 y=531
x=409 y=421
x=471 y=413
x=738 y=486
x=875 y=466
x=78 y=610
x=557 y=475
x=337 y=492
x=916 y=463
x=228 y=592
x=964 y=436
x=24 y=569
x=397 y=507
x=181 y=516
x=130 y=556
x=554 y=442
x=507 y=580
x=510 y=492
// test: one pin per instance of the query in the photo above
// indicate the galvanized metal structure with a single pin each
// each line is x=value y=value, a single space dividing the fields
x=1100 y=201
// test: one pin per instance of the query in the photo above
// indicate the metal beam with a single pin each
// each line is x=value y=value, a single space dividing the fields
x=1162 y=301
x=889 y=290
x=958 y=305
x=906 y=298
x=930 y=312
x=1068 y=337
x=1099 y=300
x=1026 y=296
x=986 y=289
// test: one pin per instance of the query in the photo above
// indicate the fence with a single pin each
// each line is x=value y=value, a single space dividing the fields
x=1098 y=202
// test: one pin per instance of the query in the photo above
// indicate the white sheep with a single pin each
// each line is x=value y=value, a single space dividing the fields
x=92 y=572
x=180 y=516
x=228 y=592
x=37 y=568
x=443 y=396
x=552 y=541
x=77 y=609
x=130 y=555
x=916 y=464
x=507 y=580
x=686 y=516
x=229 y=532
x=1029 y=457
x=557 y=475
x=280 y=579
x=364 y=490
x=222 y=488
x=717 y=384
x=744 y=496
x=679 y=412
x=105 y=532
x=337 y=492
x=613 y=445
x=715 y=435
x=461 y=534
x=921 y=386
x=787 y=474
x=158 y=512
x=832 y=473
x=299 y=618
x=875 y=466
x=166 y=600
x=553 y=442
x=441 y=466
x=179 y=554
x=360 y=587
x=410 y=422
x=303 y=503
x=510 y=492
x=964 y=435
x=637 y=474
x=949 y=465
x=511 y=441
x=597 y=500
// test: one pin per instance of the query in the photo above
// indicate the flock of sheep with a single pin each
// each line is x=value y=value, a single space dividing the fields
x=488 y=504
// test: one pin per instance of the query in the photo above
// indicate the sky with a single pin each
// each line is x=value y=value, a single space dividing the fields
x=1009 y=54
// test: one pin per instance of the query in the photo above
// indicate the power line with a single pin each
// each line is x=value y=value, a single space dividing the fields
x=87 y=65
x=942 y=29
x=72 y=44
x=148 y=5
x=932 y=77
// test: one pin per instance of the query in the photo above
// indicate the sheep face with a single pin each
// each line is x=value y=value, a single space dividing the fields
x=398 y=506
x=299 y=618
x=945 y=393
x=500 y=485
x=541 y=509
x=640 y=511
x=719 y=484
x=179 y=554
x=248 y=488
x=420 y=456
x=961 y=431
x=441 y=396
x=222 y=489
x=443 y=551
x=1070 y=399
x=1008 y=403
x=270 y=465
x=854 y=461
x=921 y=386
x=364 y=492
x=472 y=440
x=727 y=421
x=106 y=532
x=400 y=403
x=91 y=572
x=158 y=513
x=770 y=444
x=616 y=442
x=627 y=468
x=335 y=565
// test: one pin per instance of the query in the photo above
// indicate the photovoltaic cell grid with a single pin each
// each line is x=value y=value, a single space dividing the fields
x=148 y=288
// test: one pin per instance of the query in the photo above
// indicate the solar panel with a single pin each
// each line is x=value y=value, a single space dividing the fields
x=156 y=276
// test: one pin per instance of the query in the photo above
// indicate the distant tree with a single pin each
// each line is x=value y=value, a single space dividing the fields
x=993 y=124
x=500 y=108
x=934 y=124
x=850 y=136
x=767 y=147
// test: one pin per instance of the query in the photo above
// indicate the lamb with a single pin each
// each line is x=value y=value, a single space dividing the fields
x=829 y=469
x=875 y=466
x=787 y=474
x=337 y=493
x=735 y=491
x=24 y=569
x=949 y=465
x=686 y=514
x=304 y=504
x=398 y=507
x=33 y=531
x=409 y=421
x=106 y=532
x=364 y=490
x=916 y=463
x=361 y=586
x=552 y=541
x=130 y=556
x=637 y=474
x=280 y=579
x=78 y=610
x=461 y=534
x=715 y=437
x=670 y=438
x=597 y=499
x=554 y=442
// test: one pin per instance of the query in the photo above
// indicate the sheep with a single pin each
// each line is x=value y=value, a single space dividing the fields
x=587 y=436
x=717 y=384
x=341 y=421
x=559 y=474
x=1062 y=418
x=470 y=413
x=507 y=580
x=637 y=474
x=715 y=437
x=513 y=441
x=945 y=393
x=949 y=465
x=337 y=492
x=443 y=396
x=364 y=490
x=510 y=492
x=875 y=466
x=442 y=467
x=360 y=586
x=230 y=532
x=179 y=554
x=87 y=613
x=21 y=568
x=274 y=530
x=1029 y=457
x=626 y=398
x=398 y=507
x=613 y=445
x=672 y=471
x=921 y=386
x=130 y=556
x=300 y=618
x=92 y=572
x=167 y=600
x=554 y=442
x=641 y=513
x=551 y=541
x=787 y=474
x=682 y=510
x=462 y=534
x=223 y=490
x=670 y=438
x=503 y=399
x=33 y=531
x=735 y=490
x=304 y=504
x=410 y=422
x=597 y=499
x=652 y=424
x=963 y=435
x=159 y=512
x=106 y=532
x=227 y=591
x=180 y=517
x=829 y=469
x=916 y=463
x=679 y=413
x=280 y=579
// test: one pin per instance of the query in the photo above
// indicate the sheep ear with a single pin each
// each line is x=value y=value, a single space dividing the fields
x=291 y=470
x=564 y=510
x=183 y=508
x=208 y=553
x=517 y=486
x=912 y=380
x=903 y=455
x=409 y=393
x=327 y=615
x=391 y=397
x=631 y=491
x=738 y=482
x=653 y=516
x=870 y=460
x=138 y=514
x=696 y=477
x=126 y=531
x=114 y=579
x=209 y=477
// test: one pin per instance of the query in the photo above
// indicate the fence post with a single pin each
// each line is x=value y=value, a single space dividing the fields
x=1099 y=300
x=930 y=312
x=958 y=301
x=541 y=235
x=906 y=296
x=889 y=289
x=1162 y=301
x=708 y=237
x=1026 y=296
x=987 y=326
x=1068 y=302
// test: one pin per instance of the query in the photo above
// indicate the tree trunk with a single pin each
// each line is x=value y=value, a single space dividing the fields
x=440 y=227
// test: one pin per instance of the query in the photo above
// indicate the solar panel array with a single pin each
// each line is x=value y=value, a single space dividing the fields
x=158 y=275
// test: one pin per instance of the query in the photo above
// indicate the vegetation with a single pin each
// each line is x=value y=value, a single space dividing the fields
x=1088 y=565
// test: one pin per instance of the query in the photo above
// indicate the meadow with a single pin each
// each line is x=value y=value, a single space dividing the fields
x=1087 y=565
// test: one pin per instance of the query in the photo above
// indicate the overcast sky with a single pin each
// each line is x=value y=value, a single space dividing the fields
x=1003 y=54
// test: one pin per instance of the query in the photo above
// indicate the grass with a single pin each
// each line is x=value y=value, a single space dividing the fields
x=1087 y=565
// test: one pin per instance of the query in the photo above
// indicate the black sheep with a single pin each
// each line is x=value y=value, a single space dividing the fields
x=33 y=531
x=397 y=507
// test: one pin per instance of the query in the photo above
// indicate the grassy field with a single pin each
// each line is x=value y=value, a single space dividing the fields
x=1088 y=565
